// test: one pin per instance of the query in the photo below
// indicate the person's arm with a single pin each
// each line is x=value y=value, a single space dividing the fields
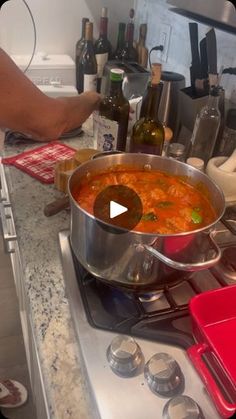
x=24 y=108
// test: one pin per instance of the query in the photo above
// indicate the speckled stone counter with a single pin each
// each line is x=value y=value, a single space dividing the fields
x=59 y=352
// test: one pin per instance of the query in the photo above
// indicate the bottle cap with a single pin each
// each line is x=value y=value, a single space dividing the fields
x=176 y=149
x=116 y=74
x=104 y=12
x=196 y=162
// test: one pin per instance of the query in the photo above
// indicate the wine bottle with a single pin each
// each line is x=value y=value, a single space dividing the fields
x=129 y=53
x=113 y=116
x=78 y=50
x=103 y=49
x=120 y=41
x=87 y=63
x=148 y=133
x=141 y=48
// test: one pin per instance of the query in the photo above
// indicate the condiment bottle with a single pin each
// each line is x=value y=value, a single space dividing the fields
x=148 y=133
x=206 y=128
x=113 y=116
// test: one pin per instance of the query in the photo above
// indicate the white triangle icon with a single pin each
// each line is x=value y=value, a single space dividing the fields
x=116 y=209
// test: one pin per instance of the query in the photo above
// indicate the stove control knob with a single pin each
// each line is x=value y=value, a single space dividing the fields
x=164 y=375
x=182 y=407
x=124 y=355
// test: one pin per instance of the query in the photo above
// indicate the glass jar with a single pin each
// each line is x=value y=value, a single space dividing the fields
x=176 y=151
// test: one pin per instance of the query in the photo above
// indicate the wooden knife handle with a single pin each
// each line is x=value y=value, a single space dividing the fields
x=56 y=206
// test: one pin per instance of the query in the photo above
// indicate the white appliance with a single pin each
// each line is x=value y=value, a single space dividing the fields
x=53 y=74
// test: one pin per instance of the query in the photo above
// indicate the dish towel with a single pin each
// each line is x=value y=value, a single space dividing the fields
x=39 y=162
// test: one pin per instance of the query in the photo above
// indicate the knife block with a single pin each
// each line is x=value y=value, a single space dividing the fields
x=190 y=105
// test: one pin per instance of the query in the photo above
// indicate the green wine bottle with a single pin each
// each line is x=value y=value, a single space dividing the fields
x=87 y=68
x=102 y=46
x=148 y=133
x=79 y=48
x=113 y=116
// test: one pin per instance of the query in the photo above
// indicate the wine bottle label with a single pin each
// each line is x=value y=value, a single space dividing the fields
x=101 y=61
x=90 y=82
x=106 y=133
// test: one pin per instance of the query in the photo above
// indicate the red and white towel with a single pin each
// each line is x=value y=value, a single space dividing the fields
x=40 y=162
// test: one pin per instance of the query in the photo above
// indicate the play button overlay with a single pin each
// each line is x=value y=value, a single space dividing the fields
x=116 y=209
x=118 y=206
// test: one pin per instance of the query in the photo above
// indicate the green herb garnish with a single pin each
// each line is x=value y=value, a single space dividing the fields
x=150 y=216
x=196 y=217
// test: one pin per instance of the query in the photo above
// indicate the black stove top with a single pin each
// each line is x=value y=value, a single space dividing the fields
x=163 y=316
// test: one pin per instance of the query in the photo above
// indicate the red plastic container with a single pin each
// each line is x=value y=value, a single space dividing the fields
x=214 y=327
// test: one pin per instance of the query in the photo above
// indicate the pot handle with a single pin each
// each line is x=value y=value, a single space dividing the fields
x=195 y=353
x=191 y=267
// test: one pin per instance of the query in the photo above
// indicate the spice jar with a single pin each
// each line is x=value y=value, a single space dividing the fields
x=176 y=151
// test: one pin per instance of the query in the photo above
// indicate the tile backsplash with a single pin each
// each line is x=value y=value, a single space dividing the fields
x=155 y=13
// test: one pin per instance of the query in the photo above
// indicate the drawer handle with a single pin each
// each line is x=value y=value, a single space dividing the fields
x=7 y=225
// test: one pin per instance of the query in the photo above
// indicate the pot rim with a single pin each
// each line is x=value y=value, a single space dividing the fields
x=140 y=233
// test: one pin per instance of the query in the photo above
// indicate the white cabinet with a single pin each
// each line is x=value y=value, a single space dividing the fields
x=11 y=246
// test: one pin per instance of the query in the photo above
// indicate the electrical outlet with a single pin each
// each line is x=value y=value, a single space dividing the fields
x=165 y=32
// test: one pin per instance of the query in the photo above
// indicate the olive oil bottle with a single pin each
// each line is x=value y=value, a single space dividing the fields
x=148 y=133
x=113 y=116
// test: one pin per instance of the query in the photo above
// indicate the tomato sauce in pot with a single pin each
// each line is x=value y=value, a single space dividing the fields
x=170 y=204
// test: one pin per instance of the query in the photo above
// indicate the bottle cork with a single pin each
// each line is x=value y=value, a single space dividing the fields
x=156 y=69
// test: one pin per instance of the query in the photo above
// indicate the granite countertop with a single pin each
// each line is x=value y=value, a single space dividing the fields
x=59 y=352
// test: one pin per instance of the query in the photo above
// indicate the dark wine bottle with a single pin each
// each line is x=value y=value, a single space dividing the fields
x=129 y=53
x=120 y=41
x=148 y=133
x=78 y=50
x=113 y=116
x=87 y=63
x=103 y=49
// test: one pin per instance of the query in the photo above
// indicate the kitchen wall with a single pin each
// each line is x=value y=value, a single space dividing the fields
x=58 y=23
x=155 y=12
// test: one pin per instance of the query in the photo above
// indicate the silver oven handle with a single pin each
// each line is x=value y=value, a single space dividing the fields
x=8 y=227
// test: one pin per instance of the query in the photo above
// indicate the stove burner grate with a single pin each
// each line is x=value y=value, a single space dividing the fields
x=165 y=318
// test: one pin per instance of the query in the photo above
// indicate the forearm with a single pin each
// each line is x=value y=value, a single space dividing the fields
x=23 y=107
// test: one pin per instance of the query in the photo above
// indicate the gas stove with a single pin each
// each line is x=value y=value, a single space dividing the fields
x=133 y=346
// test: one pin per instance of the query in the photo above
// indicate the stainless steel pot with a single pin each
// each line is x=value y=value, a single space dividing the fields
x=141 y=261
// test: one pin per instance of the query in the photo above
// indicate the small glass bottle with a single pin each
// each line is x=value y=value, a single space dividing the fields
x=206 y=128
x=228 y=142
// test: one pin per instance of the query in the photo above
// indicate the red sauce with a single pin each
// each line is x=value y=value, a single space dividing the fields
x=170 y=204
